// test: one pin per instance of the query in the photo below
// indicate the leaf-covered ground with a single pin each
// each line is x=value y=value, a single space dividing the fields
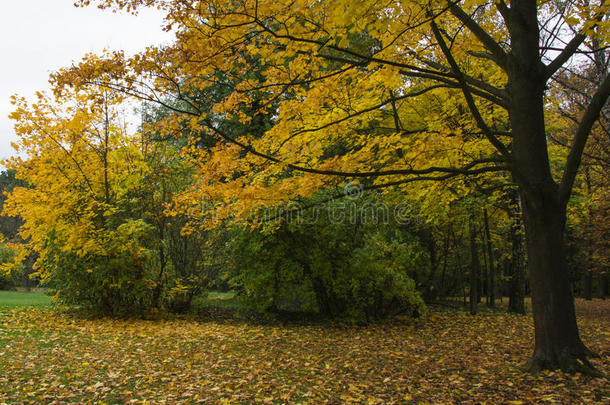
x=49 y=357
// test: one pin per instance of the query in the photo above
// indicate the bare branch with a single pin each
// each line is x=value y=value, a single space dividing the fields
x=504 y=11
x=570 y=49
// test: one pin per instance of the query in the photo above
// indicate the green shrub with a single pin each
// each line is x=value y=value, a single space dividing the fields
x=348 y=271
x=14 y=277
x=117 y=282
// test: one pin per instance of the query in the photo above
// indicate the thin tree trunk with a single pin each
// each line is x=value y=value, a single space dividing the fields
x=516 y=300
x=156 y=298
x=475 y=269
x=484 y=270
x=443 y=291
x=430 y=293
x=603 y=284
x=491 y=277
x=588 y=285
x=459 y=267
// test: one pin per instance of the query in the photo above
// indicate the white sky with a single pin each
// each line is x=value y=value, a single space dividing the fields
x=38 y=37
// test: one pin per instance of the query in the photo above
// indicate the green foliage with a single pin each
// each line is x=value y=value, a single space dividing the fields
x=9 y=226
x=350 y=270
x=9 y=279
x=115 y=282
x=382 y=285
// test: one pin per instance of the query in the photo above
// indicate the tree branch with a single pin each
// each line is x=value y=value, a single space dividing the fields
x=570 y=49
x=564 y=56
x=467 y=94
x=504 y=11
x=499 y=56
x=382 y=186
x=433 y=169
x=451 y=83
x=580 y=139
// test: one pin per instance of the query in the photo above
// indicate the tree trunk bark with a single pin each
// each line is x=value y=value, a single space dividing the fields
x=459 y=272
x=558 y=343
x=484 y=270
x=588 y=275
x=516 y=300
x=431 y=293
x=475 y=269
x=603 y=284
x=491 y=280
x=443 y=290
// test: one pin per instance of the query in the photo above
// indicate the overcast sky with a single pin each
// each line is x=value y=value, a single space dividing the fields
x=39 y=36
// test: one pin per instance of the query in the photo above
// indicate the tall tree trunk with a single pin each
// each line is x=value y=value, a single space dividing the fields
x=156 y=297
x=516 y=300
x=459 y=267
x=588 y=274
x=558 y=343
x=443 y=290
x=491 y=279
x=431 y=293
x=475 y=269
x=484 y=270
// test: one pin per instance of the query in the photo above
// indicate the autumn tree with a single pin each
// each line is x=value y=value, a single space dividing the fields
x=9 y=231
x=93 y=198
x=79 y=165
x=361 y=75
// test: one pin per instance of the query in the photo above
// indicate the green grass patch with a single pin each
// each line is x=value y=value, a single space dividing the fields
x=19 y=298
x=217 y=299
x=220 y=295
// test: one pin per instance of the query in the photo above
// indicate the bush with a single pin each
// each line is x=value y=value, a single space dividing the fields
x=380 y=284
x=114 y=281
x=181 y=293
x=347 y=271
x=14 y=277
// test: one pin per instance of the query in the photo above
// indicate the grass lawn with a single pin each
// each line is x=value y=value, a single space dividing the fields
x=19 y=298
x=216 y=301
x=221 y=295
x=444 y=357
